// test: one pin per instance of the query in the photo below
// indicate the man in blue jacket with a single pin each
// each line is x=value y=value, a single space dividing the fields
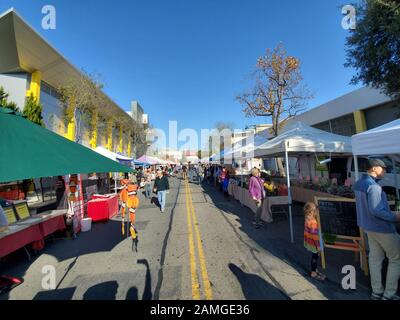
x=379 y=222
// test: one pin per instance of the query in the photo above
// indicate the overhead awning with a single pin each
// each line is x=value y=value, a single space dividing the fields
x=30 y=151
x=147 y=160
x=377 y=141
x=114 y=156
x=299 y=138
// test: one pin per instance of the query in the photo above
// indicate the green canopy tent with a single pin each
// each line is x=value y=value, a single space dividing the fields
x=30 y=151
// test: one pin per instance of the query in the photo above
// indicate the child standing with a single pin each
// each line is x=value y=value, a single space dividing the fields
x=311 y=238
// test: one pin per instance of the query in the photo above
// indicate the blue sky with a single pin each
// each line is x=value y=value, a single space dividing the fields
x=187 y=60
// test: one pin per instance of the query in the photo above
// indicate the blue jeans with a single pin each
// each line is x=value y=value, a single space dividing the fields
x=162 y=198
x=147 y=190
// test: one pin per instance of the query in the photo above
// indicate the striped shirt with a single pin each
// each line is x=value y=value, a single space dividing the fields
x=311 y=237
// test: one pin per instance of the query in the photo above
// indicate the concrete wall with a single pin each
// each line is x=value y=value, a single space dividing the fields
x=360 y=99
x=137 y=112
x=15 y=85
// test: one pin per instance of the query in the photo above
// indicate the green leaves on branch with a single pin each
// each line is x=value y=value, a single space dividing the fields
x=373 y=48
x=33 y=111
x=4 y=100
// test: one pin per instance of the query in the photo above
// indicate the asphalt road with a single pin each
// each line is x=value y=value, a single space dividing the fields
x=199 y=248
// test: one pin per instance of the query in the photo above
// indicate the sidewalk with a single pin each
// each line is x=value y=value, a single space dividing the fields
x=275 y=239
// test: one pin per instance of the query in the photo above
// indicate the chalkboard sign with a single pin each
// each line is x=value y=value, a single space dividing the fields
x=338 y=217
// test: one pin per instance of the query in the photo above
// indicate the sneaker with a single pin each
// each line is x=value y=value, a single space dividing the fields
x=376 y=296
x=261 y=223
x=396 y=297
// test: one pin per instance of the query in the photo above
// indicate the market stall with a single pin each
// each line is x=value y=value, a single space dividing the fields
x=147 y=159
x=383 y=140
x=114 y=156
x=297 y=139
x=30 y=230
x=31 y=151
x=240 y=192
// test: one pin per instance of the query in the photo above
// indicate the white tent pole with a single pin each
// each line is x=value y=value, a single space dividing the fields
x=356 y=169
x=241 y=182
x=115 y=183
x=396 y=182
x=289 y=195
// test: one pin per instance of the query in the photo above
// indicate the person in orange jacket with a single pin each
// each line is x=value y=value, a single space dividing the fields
x=123 y=195
x=132 y=204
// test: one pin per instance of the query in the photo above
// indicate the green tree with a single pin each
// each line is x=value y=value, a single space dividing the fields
x=373 y=48
x=4 y=100
x=33 y=111
x=3 y=97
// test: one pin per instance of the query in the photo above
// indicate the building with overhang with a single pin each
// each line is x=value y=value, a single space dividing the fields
x=360 y=110
x=29 y=65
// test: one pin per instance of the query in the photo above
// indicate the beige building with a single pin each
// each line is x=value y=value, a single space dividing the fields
x=360 y=110
x=29 y=65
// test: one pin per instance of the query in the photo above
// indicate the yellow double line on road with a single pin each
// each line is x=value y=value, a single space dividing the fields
x=192 y=221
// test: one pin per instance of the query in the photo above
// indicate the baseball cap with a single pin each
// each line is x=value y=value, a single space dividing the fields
x=375 y=163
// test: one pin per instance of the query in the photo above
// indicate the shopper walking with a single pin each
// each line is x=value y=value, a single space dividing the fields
x=184 y=172
x=200 y=174
x=222 y=176
x=161 y=187
x=375 y=217
x=147 y=185
x=225 y=185
x=257 y=192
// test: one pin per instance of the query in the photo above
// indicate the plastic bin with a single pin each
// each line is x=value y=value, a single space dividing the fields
x=86 y=224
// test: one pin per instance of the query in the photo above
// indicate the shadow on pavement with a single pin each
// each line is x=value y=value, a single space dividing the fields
x=254 y=287
x=59 y=294
x=132 y=294
x=102 y=291
x=103 y=237
x=147 y=294
x=275 y=239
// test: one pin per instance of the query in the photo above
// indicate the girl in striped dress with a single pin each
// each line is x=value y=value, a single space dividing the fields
x=311 y=238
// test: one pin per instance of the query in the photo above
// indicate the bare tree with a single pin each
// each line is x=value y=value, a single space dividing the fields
x=278 y=92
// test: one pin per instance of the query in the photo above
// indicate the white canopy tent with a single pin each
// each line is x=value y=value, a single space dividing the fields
x=244 y=148
x=112 y=155
x=383 y=140
x=160 y=161
x=300 y=138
